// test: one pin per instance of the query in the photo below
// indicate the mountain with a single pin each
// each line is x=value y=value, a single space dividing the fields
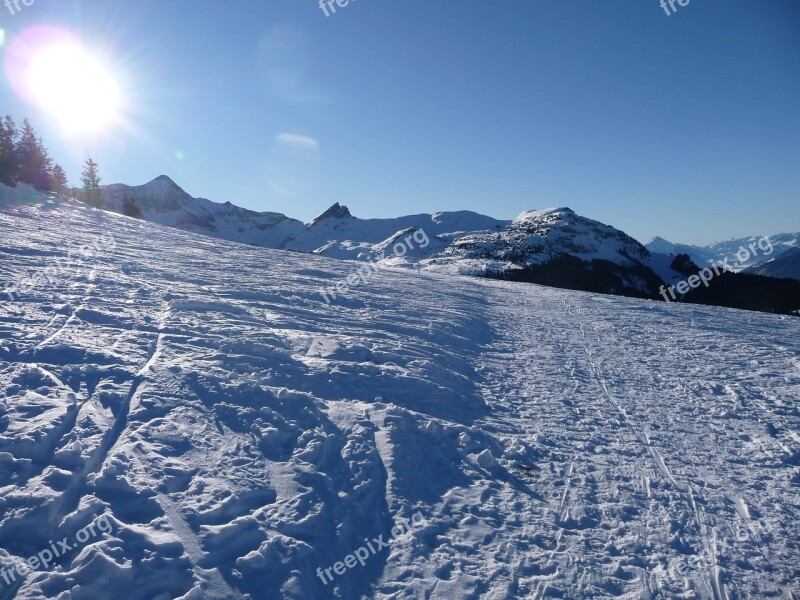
x=778 y=244
x=162 y=201
x=786 y=265
x=186 y=418
x=738 y=254
x=699 y=255
x=337 y=211
x=555 y=247
x=537 y=237
x=536 y=246
x=335 y=233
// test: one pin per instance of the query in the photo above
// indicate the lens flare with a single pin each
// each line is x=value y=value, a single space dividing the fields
x=49 y=67
x=293 y=164
x=74 y=87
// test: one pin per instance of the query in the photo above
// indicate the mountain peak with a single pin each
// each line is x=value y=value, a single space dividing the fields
x=164 y=182
x=658 y=240
x=337 y=211
x=537 y=214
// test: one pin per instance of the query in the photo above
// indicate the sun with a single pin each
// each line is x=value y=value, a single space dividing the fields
x=74 y=87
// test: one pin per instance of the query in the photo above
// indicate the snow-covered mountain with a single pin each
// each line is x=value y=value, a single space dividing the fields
x=334 y=233
x=537 y=237
x=337 y=234
x=186 y=418
x=781 y=242
x=557 y=239
x=786 y=265
x=738 y=254
x=464 y=242
x=700 y=255
x=162 y=201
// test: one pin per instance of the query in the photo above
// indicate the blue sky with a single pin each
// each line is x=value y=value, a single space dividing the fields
x=685 y=126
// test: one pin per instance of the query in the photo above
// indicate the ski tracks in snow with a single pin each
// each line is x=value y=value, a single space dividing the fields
x=633 y=513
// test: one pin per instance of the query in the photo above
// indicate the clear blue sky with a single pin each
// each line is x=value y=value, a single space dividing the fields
x=685 y=126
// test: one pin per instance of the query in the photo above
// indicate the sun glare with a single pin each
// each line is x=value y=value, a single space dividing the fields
x=74 y=87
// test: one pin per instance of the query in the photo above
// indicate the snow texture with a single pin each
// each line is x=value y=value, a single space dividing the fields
x=240 y=433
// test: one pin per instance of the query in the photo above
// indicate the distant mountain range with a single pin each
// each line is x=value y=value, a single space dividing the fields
x=162 y=201
x=335 y=233
x=554 y=246
x=459 y=242
x=732 y=250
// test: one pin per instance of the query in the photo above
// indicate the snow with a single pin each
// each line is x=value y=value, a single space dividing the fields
x=534 y=215
x=460 y=242
x=661 y=264
x=722 y=251
x=239 y=432
x=335 y=233
x=536 y=237
x=349 y=238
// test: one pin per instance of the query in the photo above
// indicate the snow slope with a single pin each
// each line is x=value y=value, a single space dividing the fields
x=240 y=433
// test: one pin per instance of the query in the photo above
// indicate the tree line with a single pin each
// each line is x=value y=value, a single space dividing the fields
x=25 y=159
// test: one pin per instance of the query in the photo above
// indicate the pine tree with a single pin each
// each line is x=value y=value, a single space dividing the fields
x=44 y=166
x=33 y=160
x=27 y=150
x=9 y=164
x=131 y=208
x=92 y=194
x=58 y=180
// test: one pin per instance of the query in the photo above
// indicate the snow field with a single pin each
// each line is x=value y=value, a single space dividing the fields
x=240 y=433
